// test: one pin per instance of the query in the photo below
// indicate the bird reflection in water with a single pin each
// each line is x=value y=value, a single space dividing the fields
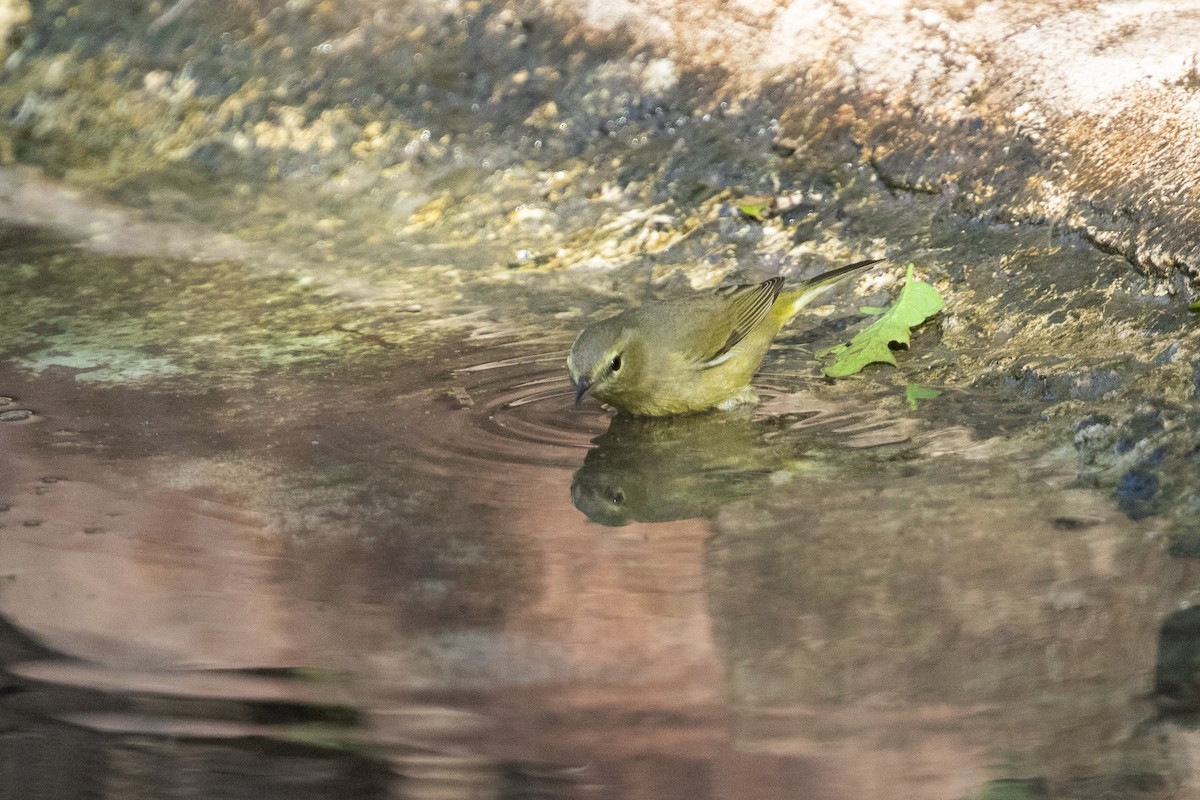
x=646 y=469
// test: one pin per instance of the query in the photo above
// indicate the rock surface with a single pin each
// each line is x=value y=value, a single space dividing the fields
x=1079 y=114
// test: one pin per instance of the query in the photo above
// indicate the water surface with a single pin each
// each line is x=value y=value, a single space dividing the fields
x=253 y=548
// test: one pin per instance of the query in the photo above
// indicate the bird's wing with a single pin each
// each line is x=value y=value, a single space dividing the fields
x=739 y=309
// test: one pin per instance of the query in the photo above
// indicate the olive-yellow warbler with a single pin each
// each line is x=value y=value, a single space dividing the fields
x=690 y=354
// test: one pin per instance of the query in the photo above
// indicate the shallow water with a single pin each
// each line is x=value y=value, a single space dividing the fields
x=250 y=552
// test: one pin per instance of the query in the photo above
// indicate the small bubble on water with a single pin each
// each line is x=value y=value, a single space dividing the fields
x=16 y=415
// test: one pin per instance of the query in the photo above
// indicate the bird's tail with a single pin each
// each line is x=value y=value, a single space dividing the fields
x=808 y=291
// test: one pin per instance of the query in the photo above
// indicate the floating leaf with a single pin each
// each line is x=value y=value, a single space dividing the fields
x=917 y=302
x=872 y=311
x=914 y=392
x=1194 y=305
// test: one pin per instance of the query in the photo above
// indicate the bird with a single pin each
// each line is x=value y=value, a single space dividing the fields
x=690 y=354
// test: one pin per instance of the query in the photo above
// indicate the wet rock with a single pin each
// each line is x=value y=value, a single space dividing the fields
x=1137 y=490
x=1177 y=671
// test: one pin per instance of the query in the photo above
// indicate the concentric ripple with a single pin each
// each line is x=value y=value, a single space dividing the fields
x=514 y=410
x=493 y=415
x=530 y=399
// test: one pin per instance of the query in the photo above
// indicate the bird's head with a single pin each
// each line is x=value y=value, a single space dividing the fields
x=601 y=359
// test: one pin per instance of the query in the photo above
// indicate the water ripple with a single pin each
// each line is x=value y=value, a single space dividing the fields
x=513 y=410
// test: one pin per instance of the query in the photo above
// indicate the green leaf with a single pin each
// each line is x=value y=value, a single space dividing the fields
x=914 y=392
x=755 y=211
x=917 y=302
x=1194 y=305
x=871 y=311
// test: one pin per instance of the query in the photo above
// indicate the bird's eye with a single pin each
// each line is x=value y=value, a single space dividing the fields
x=616 y=363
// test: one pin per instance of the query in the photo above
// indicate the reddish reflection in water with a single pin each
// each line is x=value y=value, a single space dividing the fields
x=408 y=576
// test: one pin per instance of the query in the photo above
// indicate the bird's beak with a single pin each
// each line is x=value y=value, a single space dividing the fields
x=581 y=388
